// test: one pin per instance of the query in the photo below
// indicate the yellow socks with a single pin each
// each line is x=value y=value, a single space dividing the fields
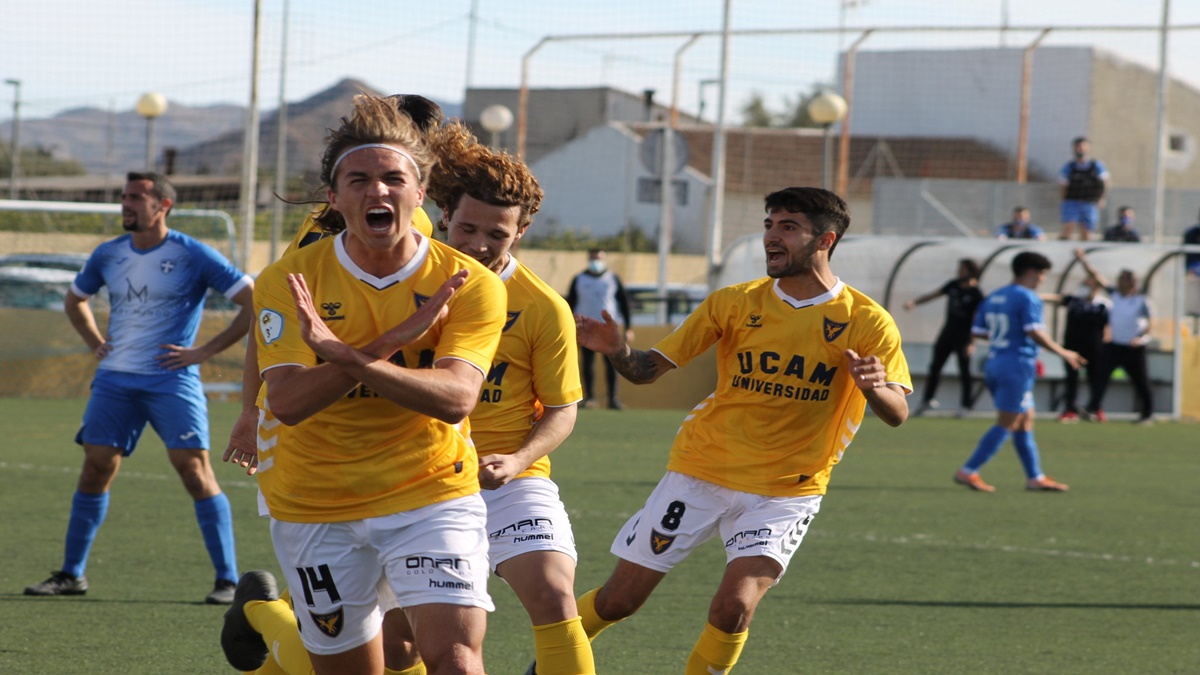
x=592 y=623
x=563 y=649
x=715 y=652
x=276 y=623
x=418 y=669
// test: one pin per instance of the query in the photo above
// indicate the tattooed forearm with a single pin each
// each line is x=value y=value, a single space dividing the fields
x=635 y=365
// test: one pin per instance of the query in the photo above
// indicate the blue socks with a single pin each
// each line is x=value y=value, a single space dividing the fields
x=87 y=513
x=1027 y=450
x=988 y=446
x=216 y=524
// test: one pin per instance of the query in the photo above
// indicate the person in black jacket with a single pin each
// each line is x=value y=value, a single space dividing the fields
x=598 y=289
x=962 y=298
x=1087 y=318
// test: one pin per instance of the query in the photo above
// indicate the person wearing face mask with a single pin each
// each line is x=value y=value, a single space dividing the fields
x=1123 y=230
x=1083 y=182
x=595 y=290
x=1020 y=227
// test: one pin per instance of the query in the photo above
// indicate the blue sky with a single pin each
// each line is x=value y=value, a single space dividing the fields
x=71 y=53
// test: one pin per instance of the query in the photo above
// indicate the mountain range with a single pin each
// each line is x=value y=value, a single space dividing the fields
x=207 y=139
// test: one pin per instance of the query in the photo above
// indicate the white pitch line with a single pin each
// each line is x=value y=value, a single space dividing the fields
x=24 y=466
x=929 y=540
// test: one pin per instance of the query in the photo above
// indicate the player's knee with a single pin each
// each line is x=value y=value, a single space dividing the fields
x=730 y=614
x=614 y=605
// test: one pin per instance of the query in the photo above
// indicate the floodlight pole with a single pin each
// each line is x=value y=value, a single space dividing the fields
x=14 y=148
x=281 y=149
x=1160 y=136
x=715 y=233
x=666 y=225
x=1026 y=94
x=249 y=187
x=843 y=173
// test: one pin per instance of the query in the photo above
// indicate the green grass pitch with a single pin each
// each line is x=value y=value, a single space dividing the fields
x=902 y=572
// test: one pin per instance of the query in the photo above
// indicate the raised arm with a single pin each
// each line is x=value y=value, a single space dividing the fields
x=448 y=391
x=1087 y=266
x=609 y=338
x=920 y=300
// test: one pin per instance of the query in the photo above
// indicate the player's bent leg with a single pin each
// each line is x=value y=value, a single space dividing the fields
x=544 y=583
x=449 y=637
x=626 y=590
x=743 y=586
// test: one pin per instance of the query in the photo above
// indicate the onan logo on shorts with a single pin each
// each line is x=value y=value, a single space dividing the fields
x=331 y=623
x=539 y=523
x=423 y=564
x=741 y=538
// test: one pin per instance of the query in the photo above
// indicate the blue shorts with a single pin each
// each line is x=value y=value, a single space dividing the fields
x=1010 y=384
x=122 y=403
x=1086 y=214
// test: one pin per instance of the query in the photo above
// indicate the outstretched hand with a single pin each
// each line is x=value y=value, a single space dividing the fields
x=430 y=312
x=868 y=372
x=606 y=337
x=313 y=330
x=243 y=443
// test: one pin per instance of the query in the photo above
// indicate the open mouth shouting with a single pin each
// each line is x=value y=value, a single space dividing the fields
x=380 y=218
x=776 y=255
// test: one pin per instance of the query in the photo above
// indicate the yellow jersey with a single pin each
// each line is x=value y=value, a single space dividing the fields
x=310 y=232
x=365 y=456
x=786 y=406
x=536 y=365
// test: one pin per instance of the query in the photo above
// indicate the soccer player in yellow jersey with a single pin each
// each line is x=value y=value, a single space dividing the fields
x=365 y=464
x=799 y=356
x=527 y=405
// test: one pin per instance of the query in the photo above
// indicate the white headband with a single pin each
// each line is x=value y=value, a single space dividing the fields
x=383 y=146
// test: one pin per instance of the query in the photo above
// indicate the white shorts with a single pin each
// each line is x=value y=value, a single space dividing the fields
x=434 y=554
x=684 y=512
x=526 y=515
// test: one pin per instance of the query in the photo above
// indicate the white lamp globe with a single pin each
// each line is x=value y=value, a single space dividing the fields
x=496 y=118
x=827 y=108
x=152 y=104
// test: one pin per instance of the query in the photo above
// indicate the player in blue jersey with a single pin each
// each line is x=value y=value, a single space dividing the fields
x=149 y=371
x=1011 y=320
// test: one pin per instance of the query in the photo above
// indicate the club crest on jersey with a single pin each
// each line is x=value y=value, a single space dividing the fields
x=659 y=542
x=331 y=308
x=512 y=318
x=270 y=324
x=833 y=329
x=166 y=266
x=755 y=321
x=329 y=624
x=420 y=299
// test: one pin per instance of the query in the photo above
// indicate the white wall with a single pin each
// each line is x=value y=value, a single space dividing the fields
x=976 y=93
x=591 y=184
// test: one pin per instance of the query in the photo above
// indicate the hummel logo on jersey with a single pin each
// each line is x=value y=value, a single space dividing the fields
x=630 y=538
x=755 y=321
x=329 y=624
x=188 y=435
x=166 y=266
x=833 y=329
x=331 y=308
